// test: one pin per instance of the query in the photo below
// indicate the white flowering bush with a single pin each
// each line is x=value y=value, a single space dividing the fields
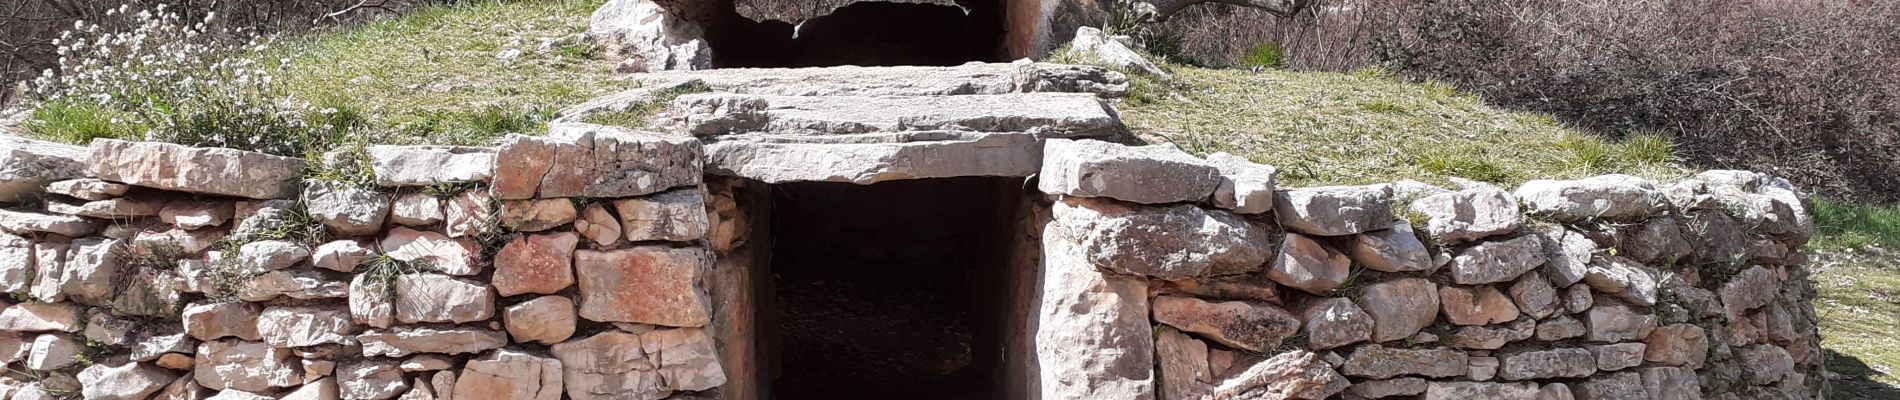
x=150 y=75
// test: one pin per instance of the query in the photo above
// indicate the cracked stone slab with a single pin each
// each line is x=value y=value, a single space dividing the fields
x=1056 y=115
x=967 y=79
x=877 y=157
x=587 y=160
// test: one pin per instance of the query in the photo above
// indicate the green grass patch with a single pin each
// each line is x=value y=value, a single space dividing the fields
x=80 y=123
x=1842 y=226
x=438 y=75
x=1858 y=304
x=1369 y=126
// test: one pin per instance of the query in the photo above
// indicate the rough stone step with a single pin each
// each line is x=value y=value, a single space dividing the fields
x=972 y=78
x=1047 y=115
x=26 y=164
x=872 y=158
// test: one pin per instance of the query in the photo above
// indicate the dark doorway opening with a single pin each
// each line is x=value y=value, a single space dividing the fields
x=891 y=290
x=866 y=33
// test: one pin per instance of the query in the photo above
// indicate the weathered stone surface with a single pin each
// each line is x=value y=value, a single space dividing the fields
x=271 y=255
x=1400 y=307
x=1047 y=115
x=1307 y=265
x=1616 y=323
x=585 y=160
x=234 y=394
x=1245 y=187
x=1678 y=344
x=546 y=319
x=1482 y=368
x=1476 y=305
x=1492 y=337
x=15 y=347
x=204 y=170
x=27 y=164
x=1568 y=362
x=302 y=326
x=1182 y=362
x=211 y=321
x=151 y=346
x=345 y=209
x=598 y=225
x=341 y=255
x=36 y=316
x=30 y=223
x=678 y=215
x=1480 y=390
x=1748 y=290
x=1090 y=42
x=246 y=366
x=425 y=297
x=371 y=301
x=1617 y=386
x=469 y=213
x=1611 y=357
x=370 y=379
x=686 y=356
x=461 y=257
x=1153 y=174
x=1468 y=215
x=1380 y=362
x=184 y=388
x=1671 y=383
x=1559 y=328
x=1624 y=278
x=536 y=215
x=1094 y=336
x=150 y=293
x=1243 y=287
x=94 y=267
x=1403 y=386
x=1334 y=210
x=428 y=165
x=535 y=264
x=650 y=38
x=427 y=362
x=1173 y=242
x=296 y=284
x=107 y=209
x=54 y=351
x=1295 y=374
x=16 y=263
x=964 y=79
x=1577 y=298
x=443 y=383
x=608 y=365
x=647 y=284
x=1391 y=250
x=166 y=243
x=405 y=340
x=1606 y=197
x=323 y=388
x=1335 y=322
x=1768 y=205
x=107 y=330
x=1233 y=323
x=129 y=381
x=1658 y=239
x=196 y=213
x=1766 y=363
x=416 y=209
x=510 y=375
x=1535 y=297
x=874 y=157
x=1497 y=261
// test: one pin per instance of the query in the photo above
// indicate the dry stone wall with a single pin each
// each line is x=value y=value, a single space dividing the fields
x=599 y=262
x=1609 y=287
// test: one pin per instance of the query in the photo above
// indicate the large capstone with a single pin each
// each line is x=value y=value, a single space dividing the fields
x=206 y=170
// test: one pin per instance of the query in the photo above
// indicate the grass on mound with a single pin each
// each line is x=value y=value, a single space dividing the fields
x=1369 y=126
x=437 y=75
x=1857 y=282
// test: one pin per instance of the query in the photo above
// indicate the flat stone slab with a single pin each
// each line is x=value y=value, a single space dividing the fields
x=428 y=165
x=206 y=170
x=967 y=79
x=26 y=165
x=587 y=160
x=872 y=158
x=1057 y=115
